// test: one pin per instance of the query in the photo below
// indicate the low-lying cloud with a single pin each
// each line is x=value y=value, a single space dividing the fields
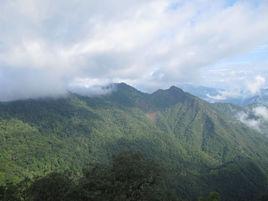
x=255 y=117
x=255 y=86
x=246 y=89
x=91 y=87
x=45 y=46
x=224 y=95
x=261 y=112
x=249 y=121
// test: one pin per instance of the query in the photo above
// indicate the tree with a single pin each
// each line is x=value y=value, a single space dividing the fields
x=130 y=177
x=9 y=192
x=53 y=187
x=213 y=196
x=263 y=197
x=136 y=178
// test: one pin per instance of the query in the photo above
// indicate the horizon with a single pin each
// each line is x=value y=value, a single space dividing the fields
x=103 y=90
x=134 y=100
x=81 y=45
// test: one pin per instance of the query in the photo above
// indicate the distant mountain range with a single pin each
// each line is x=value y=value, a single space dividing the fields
x=214 y=95
x=202 y=92
x=261 y=98
x=202 y=145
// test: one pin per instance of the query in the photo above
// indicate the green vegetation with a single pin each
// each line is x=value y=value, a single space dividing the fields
x=129 y=176
x=213 y=196
x=202 y=148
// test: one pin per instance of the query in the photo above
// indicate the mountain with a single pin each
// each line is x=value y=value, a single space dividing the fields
x=205 y=93
x=261 y=98
x=201 y=146
x=215 y=95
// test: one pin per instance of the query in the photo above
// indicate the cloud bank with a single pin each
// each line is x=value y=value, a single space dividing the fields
x=256 y=85
x=254 y=118
x=46 y=46
x=248 y=121
x=246 y=88
x=224 y=95
x=261 y=112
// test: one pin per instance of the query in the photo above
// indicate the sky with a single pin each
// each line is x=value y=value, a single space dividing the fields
x=48 y=47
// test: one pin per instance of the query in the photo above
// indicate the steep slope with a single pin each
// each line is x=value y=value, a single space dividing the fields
x=192 y=138
x=253 y=115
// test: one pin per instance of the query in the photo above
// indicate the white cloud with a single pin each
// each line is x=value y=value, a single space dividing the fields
x=261 y=112
x=255 y=117
x=50 y=44
x=256 y=85
x=238 y=86
x=224 y=94
x=250 y=122
x=91 y=87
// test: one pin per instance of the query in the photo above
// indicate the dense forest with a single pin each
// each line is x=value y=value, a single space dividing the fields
x=129 y=176
x=129 y=145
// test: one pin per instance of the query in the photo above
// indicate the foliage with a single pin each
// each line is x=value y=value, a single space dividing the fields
x=130 y=177
x=199 y=145
x=213 y=196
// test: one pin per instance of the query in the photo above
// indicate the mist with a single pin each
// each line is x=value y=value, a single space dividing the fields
x=46 y=46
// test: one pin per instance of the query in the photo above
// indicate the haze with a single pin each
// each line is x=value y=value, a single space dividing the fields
x=49 y=47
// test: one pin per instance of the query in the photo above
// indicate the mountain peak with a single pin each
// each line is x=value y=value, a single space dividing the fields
x=122 y=84
x=125 y=87
x=171 y=91
x=175 y=89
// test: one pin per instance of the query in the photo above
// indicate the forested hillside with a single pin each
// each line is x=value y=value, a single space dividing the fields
x=200 y=147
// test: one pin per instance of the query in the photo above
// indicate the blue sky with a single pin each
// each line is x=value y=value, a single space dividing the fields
x=48 y=47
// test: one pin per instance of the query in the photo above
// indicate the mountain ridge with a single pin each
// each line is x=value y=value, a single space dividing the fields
x=185 y=133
